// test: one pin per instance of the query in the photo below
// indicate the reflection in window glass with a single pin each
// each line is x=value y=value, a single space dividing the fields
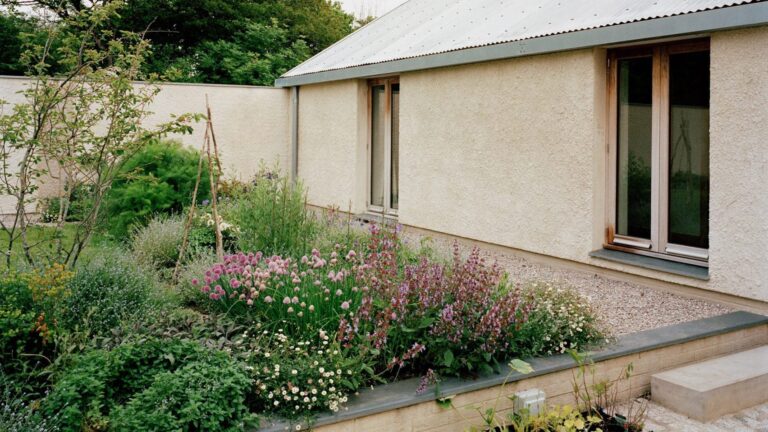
x=378 y=144
x=689 y=149
x=633 y=192
x=395 y=144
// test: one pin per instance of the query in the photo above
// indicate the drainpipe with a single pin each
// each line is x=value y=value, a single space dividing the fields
x=294 y=133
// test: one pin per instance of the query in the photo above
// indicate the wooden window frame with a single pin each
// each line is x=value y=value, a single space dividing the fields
x=657 y=245
x=386 y=209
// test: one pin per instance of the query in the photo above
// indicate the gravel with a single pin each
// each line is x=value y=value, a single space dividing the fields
x=623 y=307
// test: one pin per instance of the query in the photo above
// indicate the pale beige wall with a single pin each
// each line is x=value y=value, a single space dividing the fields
x=502 y=152
x=739 y=163
x=332 y=143
x=513 y=153
x=252 y=124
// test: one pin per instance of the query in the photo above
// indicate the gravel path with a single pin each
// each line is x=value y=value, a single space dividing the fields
x=622 y=306
x=661 y=419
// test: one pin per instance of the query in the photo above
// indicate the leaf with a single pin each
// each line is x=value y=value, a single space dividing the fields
x=445 y=402
x=520 y=366
x=375 y=352
x=447 y=358
x=171 y=359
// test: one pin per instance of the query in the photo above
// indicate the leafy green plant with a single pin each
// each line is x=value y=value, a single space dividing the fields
x=157 y=244
x=272 y=217
x=17 y=316
x=108 y=290
x=73 y=207
x=159 y=179
x=135 y=377
x=560 y=319
x=205 y=395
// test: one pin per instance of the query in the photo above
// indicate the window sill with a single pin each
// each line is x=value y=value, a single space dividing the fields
x=682 y=269
x=369 y=217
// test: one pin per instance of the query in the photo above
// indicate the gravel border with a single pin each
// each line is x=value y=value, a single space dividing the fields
x=623 y=307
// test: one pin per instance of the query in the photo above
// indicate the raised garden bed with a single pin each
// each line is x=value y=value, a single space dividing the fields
x=396 y=406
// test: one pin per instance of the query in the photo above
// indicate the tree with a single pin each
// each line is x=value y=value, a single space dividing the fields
x=214 y=40
x=87 y=122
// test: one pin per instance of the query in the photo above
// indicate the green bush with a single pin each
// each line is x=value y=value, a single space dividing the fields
x=159 y=179
x=157 y=244
x=206 y=396
x=560 y=319
x=110 y=289
x=273 y=218
x=17 y=316
x=137 y=383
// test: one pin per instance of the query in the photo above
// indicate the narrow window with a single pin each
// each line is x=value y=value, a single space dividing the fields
x=384 y=146
x=659 y=151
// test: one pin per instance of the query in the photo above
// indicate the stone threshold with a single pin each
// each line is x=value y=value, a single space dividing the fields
x=402 y=394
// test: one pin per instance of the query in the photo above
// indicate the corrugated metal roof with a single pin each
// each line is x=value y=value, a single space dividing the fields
x=424 y=27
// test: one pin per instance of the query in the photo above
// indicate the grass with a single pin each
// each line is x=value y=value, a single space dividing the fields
x=44 y=240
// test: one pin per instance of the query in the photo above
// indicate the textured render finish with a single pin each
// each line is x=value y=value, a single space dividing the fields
x=512 y=153
x=251 y=124
x=503 y=152
x=739 y=163
x=332 y=144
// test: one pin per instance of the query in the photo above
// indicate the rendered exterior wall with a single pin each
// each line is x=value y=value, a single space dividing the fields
x=513 y=153
x=252 y=124
x=332 y=144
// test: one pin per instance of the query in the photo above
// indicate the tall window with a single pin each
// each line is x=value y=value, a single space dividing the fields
x=384 y=145
x=659 y=152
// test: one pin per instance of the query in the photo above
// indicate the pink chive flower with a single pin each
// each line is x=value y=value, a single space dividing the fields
x=286 y=300
x=345 y=305
x=267 y=299
x=195 y=282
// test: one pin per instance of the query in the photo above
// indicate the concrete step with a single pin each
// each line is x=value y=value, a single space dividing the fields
x=708 y=390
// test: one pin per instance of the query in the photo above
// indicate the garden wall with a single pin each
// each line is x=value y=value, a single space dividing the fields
x=397 y=406
x=252 y=124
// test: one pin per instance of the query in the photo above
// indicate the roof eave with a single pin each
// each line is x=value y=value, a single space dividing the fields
x=728 y=18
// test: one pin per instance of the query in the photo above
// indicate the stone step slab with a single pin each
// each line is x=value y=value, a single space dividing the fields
x=711 y=389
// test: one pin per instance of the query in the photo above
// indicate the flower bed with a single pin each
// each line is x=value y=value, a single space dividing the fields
x=323 y=311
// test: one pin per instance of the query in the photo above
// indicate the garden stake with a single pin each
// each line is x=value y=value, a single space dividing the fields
x=205 y=151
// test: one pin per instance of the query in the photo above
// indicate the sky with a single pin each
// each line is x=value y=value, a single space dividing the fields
x=364 y=8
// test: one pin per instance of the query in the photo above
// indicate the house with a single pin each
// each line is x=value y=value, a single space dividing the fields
x=624 y=137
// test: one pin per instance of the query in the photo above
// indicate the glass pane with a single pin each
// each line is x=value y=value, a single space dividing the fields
x=633 y=189
x=689 y=149
x=395 y=144
x=378 y=132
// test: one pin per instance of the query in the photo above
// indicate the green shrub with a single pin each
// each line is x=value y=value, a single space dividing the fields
x=159 y=179
x=560 y=319
x=110 y=289
x=273 y=218
x=206 y=396
x=157 y=244
x=136 y=376
x=17 y=316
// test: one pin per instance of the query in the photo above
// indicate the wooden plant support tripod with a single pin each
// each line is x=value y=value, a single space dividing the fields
x=205 y=154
